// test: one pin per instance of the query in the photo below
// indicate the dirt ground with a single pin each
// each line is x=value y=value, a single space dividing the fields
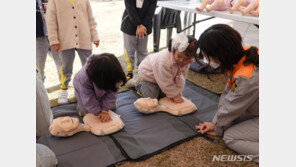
x=196 y=152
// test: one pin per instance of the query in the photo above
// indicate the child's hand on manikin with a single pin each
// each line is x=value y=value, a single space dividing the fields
x=97 y=43
x=104 y=117
x=178 y=99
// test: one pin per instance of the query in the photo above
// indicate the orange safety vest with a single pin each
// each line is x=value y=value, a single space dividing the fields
x=240 y=69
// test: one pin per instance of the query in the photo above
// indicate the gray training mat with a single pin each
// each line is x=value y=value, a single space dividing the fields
x=83 y=148
x=205 y=101
x=145 y=135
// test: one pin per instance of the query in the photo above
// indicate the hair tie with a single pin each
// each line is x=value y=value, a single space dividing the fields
x=180 y=42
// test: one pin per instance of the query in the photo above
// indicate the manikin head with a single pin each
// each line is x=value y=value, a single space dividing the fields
x=147 y=103
x=64 y=126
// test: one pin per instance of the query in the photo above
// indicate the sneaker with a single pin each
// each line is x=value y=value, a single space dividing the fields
x=129 y=76
x=133 y=82
x=63 y=97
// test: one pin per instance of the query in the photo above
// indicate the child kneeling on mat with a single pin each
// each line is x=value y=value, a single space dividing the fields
x=96 y=85
x=164 y=73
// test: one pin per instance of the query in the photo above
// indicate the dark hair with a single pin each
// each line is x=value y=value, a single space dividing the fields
x=222 y=42
x=191 y=49
x=105 y=71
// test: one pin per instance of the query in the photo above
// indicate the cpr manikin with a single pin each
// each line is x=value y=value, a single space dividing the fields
x=246 y=7
x=219 y=5
x=68 y=126
x=99 y=128
x=149 y=105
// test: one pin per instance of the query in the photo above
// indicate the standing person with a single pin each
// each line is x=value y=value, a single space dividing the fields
x=237 y=118
x=42 y=44
x=136 y=26
x=71 y=27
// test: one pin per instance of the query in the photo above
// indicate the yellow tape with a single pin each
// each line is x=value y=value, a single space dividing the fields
x=104 y=111
x=129 y=67
x=63 y=79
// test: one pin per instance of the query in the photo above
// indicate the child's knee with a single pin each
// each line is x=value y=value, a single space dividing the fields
x=145 y=91
x=152 y=94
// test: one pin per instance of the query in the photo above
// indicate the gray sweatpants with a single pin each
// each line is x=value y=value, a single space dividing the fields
x=133 y=45
x=243 y=138
x=149 y=89
x=42 y=49
x=68 y=60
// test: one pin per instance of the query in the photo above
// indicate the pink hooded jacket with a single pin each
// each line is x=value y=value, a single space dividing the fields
x=161 y=68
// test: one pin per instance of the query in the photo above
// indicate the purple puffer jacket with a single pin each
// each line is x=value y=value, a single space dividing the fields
x=92 y=98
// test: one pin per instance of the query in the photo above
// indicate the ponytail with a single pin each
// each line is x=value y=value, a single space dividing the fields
x=252 y=56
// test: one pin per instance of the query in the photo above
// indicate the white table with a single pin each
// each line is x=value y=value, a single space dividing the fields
x=190 y=7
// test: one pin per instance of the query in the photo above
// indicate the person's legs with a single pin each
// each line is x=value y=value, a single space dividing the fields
x=83 y=55
x=142 y=51
x=130 y=46
x=57 y=60
x=66 y=73
x=243 y=138
x=148 y=89
x=41 y=53
x=67 y=67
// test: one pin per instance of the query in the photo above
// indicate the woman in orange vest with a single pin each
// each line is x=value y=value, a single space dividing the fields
x=237 y=117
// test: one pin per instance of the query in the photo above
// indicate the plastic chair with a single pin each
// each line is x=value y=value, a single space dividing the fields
x=165 y=19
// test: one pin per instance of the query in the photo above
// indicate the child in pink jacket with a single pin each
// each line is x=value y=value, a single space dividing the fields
x=164 y=73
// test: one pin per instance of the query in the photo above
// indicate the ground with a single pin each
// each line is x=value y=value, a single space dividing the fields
x=196 y=152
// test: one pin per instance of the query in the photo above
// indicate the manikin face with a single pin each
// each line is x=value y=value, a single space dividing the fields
x=64 y=126
x=68 y=123
x=181 y=58
x=147 y=102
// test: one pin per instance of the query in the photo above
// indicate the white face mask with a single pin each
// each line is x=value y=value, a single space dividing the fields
x=212 y=64
x=139 y=3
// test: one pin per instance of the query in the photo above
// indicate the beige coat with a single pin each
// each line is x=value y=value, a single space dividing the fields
x=71 y=24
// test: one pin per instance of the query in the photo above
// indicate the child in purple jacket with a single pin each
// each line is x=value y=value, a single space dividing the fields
x=96 y=85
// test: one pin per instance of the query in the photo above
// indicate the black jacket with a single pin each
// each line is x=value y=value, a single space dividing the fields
x=134 y=16
x=39 y=21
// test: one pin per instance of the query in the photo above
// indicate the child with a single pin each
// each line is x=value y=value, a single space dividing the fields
x=136 y=25
x=96 y=85
x=164 y=72
x=71 y=27
x=42 y=45
x=237 y=117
